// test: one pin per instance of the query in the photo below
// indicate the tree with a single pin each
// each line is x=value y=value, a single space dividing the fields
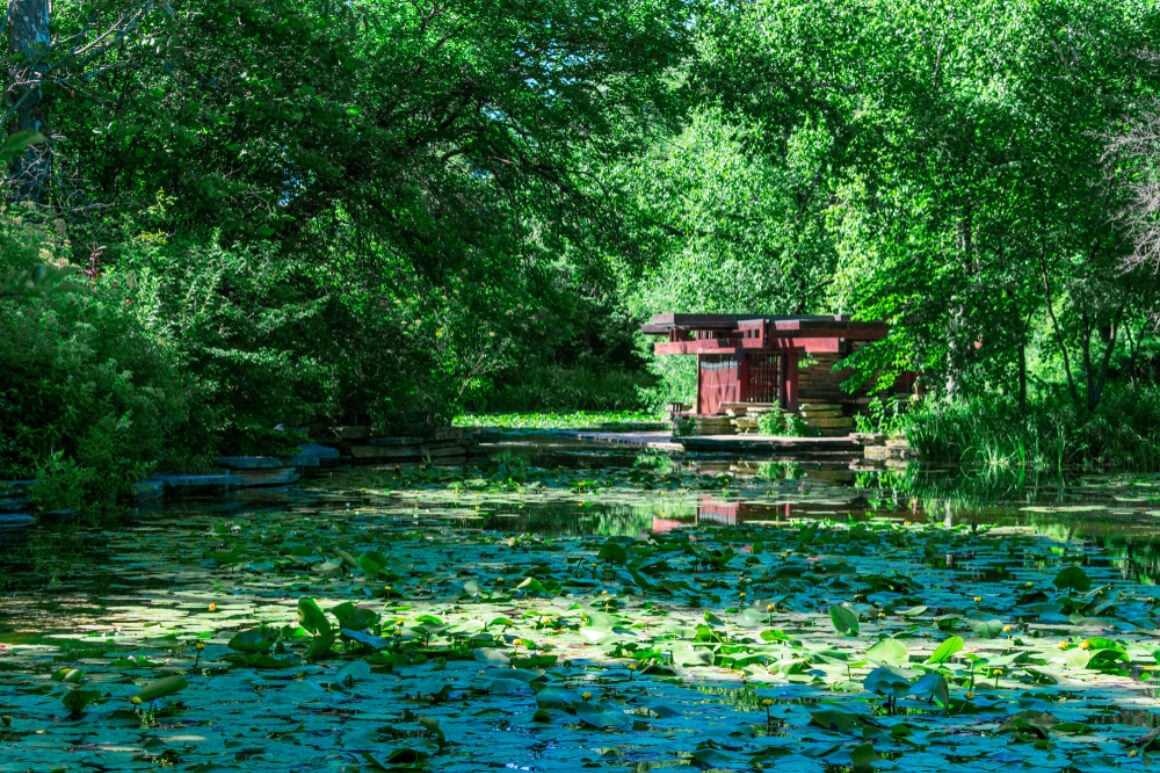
x=970 y=207
x=29 y=46
x=416 y=180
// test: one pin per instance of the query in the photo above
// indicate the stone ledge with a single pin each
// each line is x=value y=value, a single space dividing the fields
x=251 y=462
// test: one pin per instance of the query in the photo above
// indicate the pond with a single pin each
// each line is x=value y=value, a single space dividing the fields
x=558 y=609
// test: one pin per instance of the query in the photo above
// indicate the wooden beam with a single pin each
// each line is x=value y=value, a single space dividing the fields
x=701 y=346
x=662 y=324
x=810 y=328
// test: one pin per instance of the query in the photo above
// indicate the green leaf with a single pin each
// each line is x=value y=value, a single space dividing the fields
x=886 y=681
x=77 y=699
x=890 y=651
x=845 y=620
x=160 y=688
x=321 y=644
x=986 y=629
x=259 y=639
x=18 y=142
x=600 y=715
x=613 y=552
x=72 y=675
x=863 y=756
x=370 y=640
x=932 y=687
x=370 y=566
x=354 y=618
x=946 y=650
x=1073 y=577
x=311 y=617
x=352 y=672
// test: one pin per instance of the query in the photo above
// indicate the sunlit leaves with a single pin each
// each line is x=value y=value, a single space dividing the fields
x=889 y=651
x=946 y=650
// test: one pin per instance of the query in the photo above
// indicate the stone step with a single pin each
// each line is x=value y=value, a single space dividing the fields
x=823 y=416
x=181 y=483
x=16 y=521
x=251 y=462
x=828 y=422
x=280 y=476
x=433 y=450
x=313 y=455
x=13 y=504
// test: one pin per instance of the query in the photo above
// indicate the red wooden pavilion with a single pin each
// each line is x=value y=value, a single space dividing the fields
x=745 y=358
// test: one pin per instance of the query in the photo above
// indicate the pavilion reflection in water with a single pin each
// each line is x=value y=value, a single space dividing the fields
x=723 y=512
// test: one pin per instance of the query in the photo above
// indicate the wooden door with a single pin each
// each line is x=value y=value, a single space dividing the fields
x=718 y=381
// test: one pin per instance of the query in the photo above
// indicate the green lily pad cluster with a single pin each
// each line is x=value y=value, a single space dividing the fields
x=368 y=629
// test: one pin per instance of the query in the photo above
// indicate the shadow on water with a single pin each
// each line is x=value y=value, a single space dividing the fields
x=216 y=567
x=1116 y=515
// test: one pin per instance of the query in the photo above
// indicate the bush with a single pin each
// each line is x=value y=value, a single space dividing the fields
x=783 y=423
x=582 y=387
x=1050 y=433
x=88 y=400
x=245 y=320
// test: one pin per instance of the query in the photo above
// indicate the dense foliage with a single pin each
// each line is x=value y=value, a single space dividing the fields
x=295 y=211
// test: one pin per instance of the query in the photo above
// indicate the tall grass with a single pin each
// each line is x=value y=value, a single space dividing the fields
x=1051 y=433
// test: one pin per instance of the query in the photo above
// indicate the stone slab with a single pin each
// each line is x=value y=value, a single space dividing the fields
x=313 y=455
x=870 y=438
x=384 y=452
x=396 y=440
x=818 y=413
x=13 y=504
x=180 y=482
x=282 y=476
x=449 y=433
x=16 y=521
x=432 y=450
x=836 y=422
x=251 y=462
x=442 y=451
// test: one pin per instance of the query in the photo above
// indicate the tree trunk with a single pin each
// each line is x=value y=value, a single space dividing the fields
x=29 y=43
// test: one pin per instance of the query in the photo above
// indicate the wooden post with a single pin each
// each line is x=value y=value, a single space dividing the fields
x=790 y=396
x=700 y=397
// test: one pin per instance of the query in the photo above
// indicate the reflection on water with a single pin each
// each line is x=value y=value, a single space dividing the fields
x=1116 y=514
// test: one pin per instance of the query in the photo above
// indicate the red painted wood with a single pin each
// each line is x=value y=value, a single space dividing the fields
x=789 y=398
x=718 y=382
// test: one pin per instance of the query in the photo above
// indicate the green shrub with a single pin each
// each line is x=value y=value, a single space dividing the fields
x=673 y=380
x=1050 y=433
x=886 y=415
x=782 y=423
x=582 y=387
x=245 y=320
x=88 y=399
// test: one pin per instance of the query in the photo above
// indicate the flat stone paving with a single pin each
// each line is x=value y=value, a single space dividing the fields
x=662 y=440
